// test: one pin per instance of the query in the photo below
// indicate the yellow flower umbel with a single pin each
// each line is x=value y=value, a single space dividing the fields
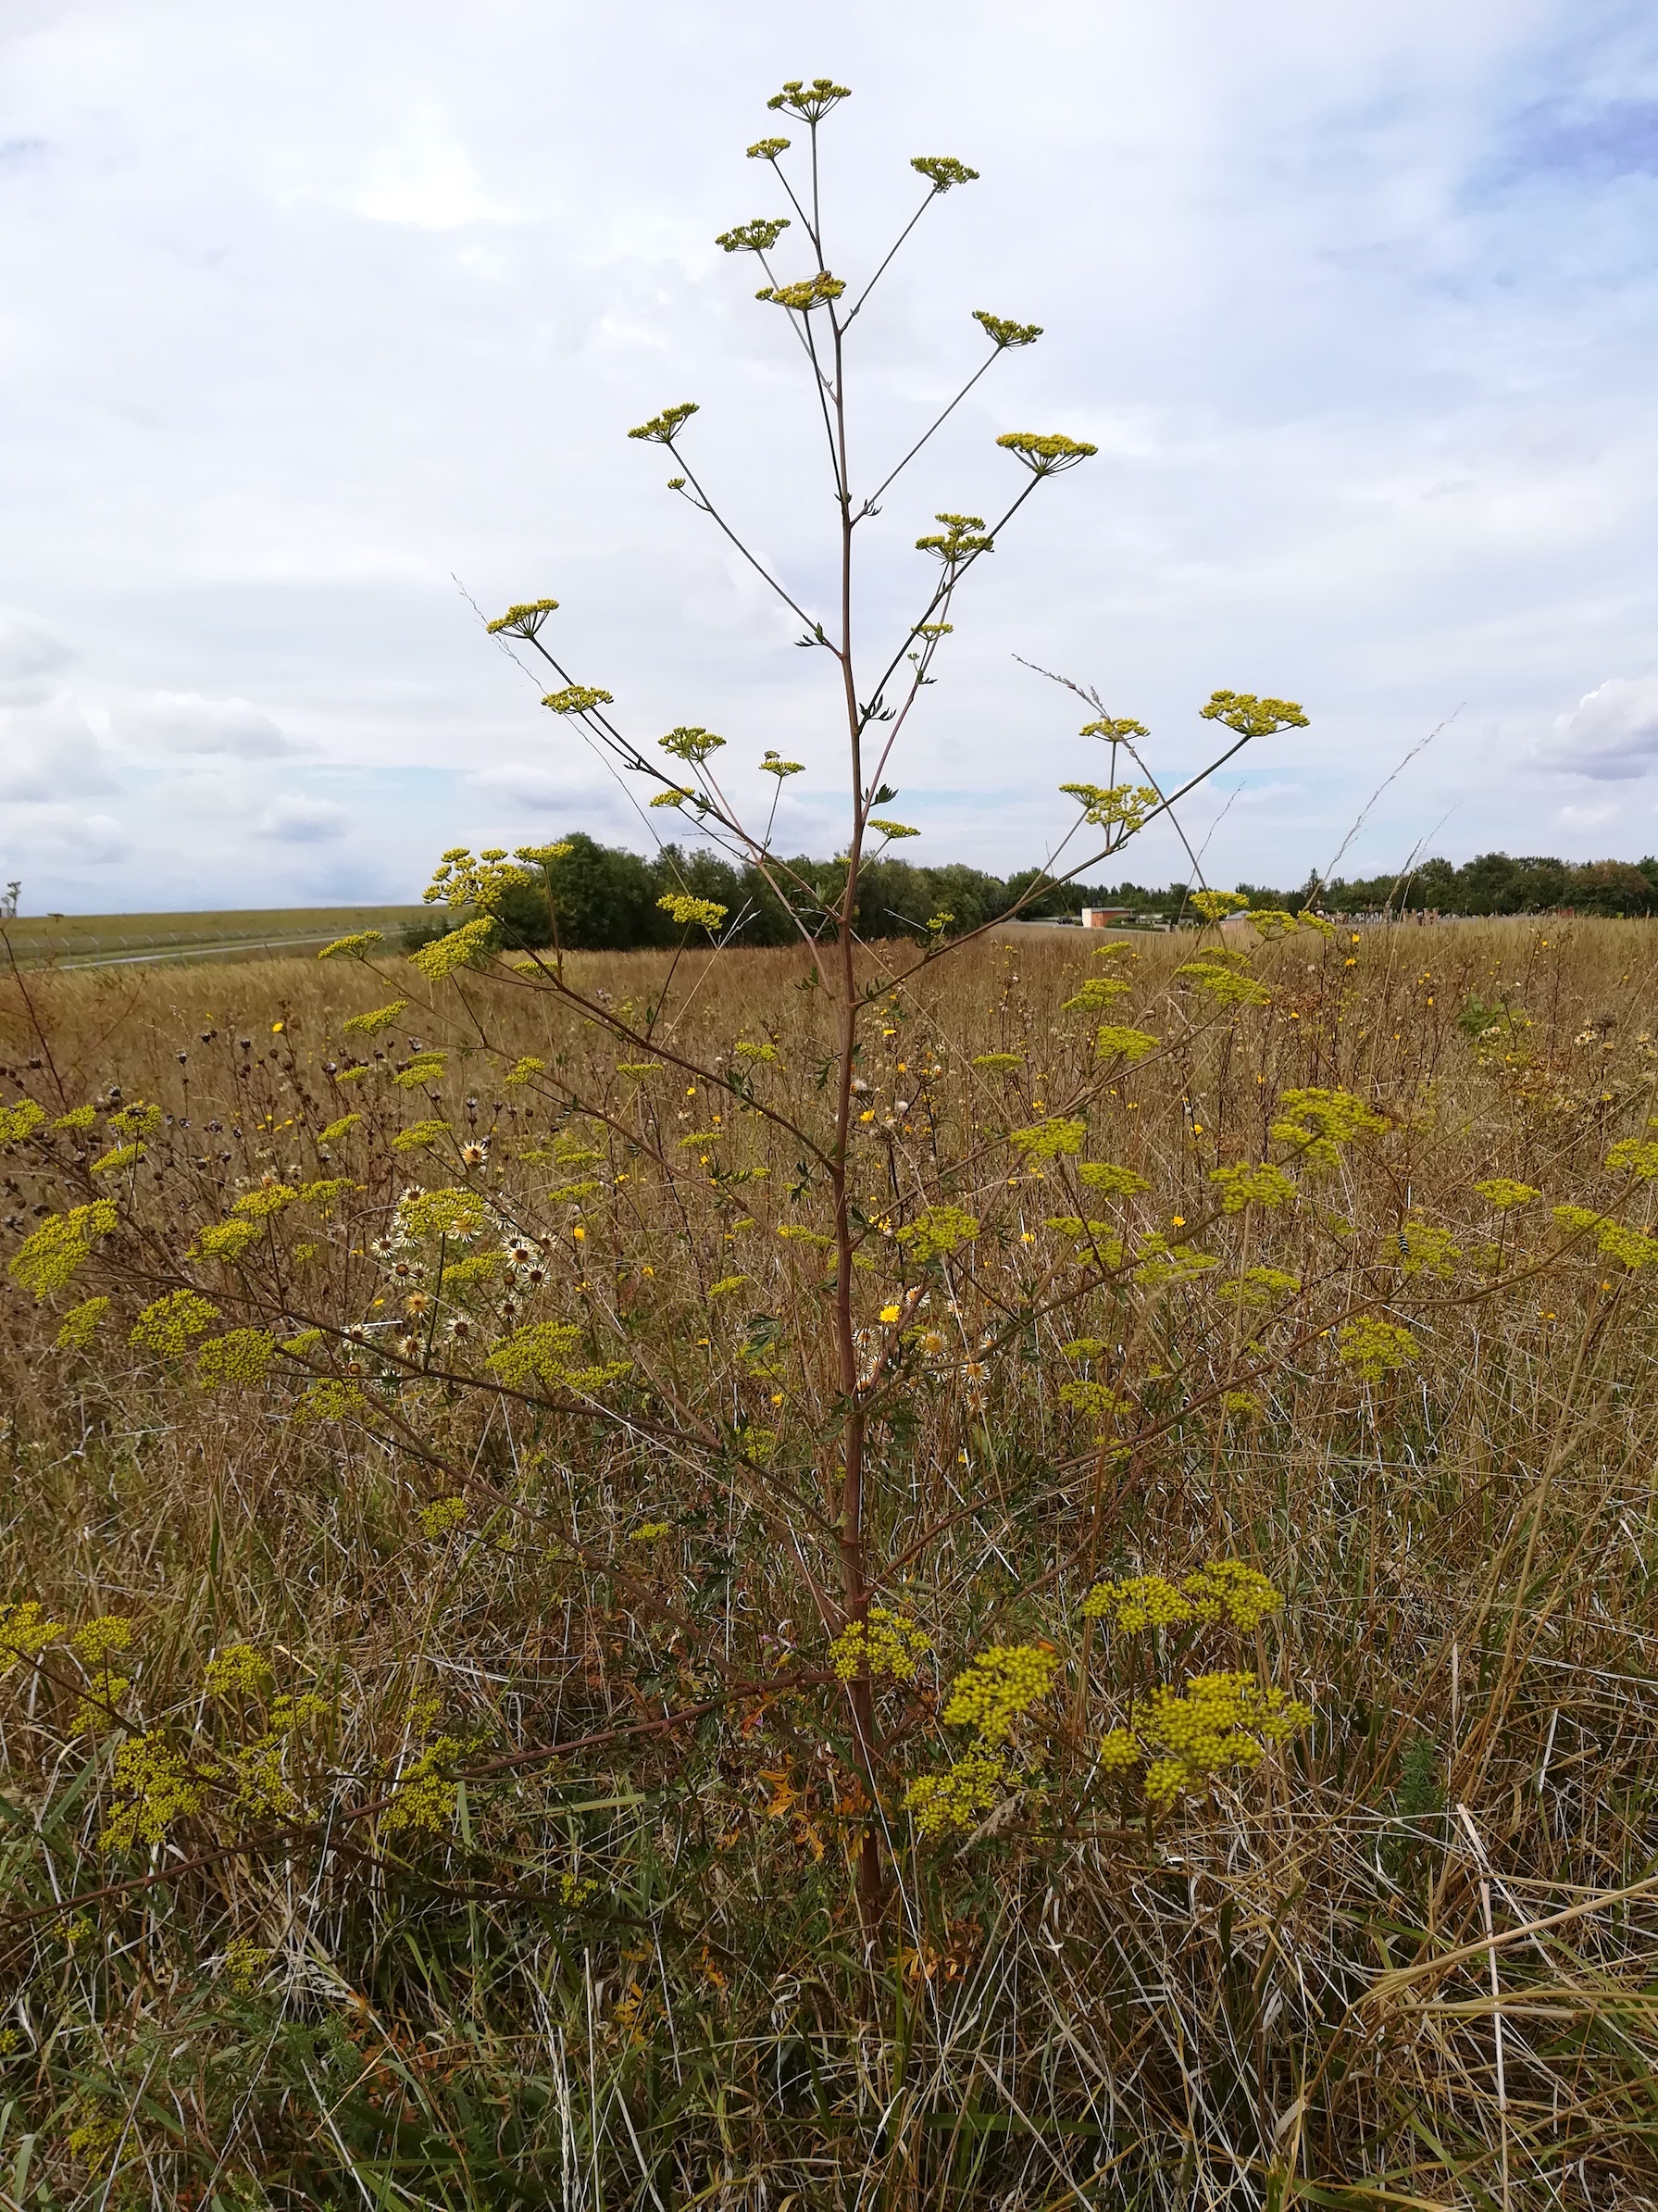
x=1244 y=1185
x=154 y=1787
x=1217 y=1724
x=938 y=1232
x=80 y=1325
x=240 y=1670
x=61 y=1246
x=1371 y=1349
x=1319 y=1123
x=96 y=1646
x=881 y=1644
x=1053 y=1139
x=25 y=1633
x=690 y=912
x=442 y=1517
x=237 y=1360
x=1503 y=1193
x=1226 y=1589
x=169 y=1324
x=961 y=1796
x=1000 y=1685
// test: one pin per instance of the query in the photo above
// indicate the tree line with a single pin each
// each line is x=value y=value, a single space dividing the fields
x=605 y=898
x=1491 y=883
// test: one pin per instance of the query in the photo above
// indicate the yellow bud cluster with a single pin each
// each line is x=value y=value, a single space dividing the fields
x=469 y=947
x=1214 y=905
x=805 y=295
x=119 y=1156
x=25 y=1631
x=450 y=1212
x=239 y=1670
x=80 y=1323
x=1372 y=1349
x=328 y=1400
x=524 y=620
x=424 y=1070
x=537 y=1354
x=1098 y=1401
x=882 y=1645
x=1260 y=1286
x=810 y=102
x=1223 y=984
x=442 y=1517
x=1117 y=1043
x=226 y=1240
x=370 y=1025
x=236 y=1361
x=269 y=1199
x=993 y=1690
x=690 y=912
x=1046 y=453
x=1111 y=1181
x=154 y=1787
x=962 y=539
x=101 y=1638
x=169 y=1324
x=1116 y=806
x=1630 y=1245
x=936 y=1232
x=420 y=1136
x=21 y=1120
x=1217 y=1723
x=1249 y=716
x=1051 y=1139
x=1226 y=1589
x=1245 y=1185
x=961 y=1796
x=1427 y=1251
x=1096 y=994
x=1502 y=1192
x=1319 y=1121
x=422 y=1798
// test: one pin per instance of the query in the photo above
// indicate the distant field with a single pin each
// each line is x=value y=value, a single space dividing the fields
x=121 y=940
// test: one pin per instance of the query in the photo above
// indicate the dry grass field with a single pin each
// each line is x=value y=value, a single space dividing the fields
x=440 y=1771
x=135 y=940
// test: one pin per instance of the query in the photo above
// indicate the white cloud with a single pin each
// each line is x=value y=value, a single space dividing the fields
x=546 y=787
x=32 y=656
x=1612 y=733
x=425 y=176
x=50 y=752
x=185 y=722
x=57 y=837
x=1592 y=817
x=302 y=820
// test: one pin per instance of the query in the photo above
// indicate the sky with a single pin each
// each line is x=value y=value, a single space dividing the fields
x=322 y=325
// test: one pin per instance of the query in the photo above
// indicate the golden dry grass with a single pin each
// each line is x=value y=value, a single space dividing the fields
x=546 y=1894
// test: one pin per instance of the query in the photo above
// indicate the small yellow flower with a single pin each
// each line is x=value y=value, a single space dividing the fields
x=889 y=1313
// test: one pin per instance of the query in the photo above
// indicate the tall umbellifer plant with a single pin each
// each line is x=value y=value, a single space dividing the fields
x=871 y=698
x=392 y=1311
x=870 y=704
